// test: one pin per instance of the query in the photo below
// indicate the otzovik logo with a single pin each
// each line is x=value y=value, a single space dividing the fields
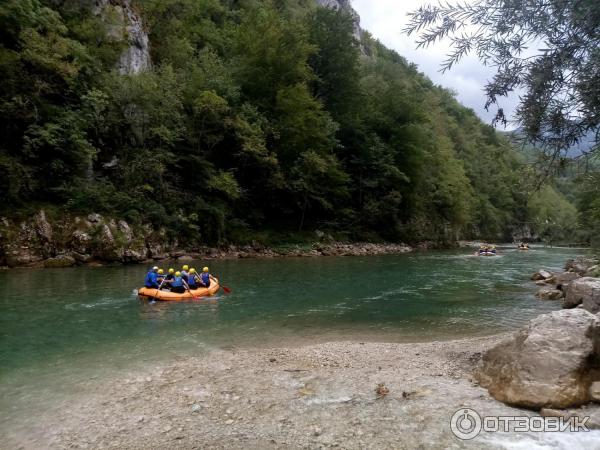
x=466 y=424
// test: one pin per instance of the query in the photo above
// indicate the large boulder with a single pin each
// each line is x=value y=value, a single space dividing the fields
x=583 y=291
x=547 y=364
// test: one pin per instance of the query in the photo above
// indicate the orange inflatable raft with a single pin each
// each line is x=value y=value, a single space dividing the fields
x=168 y=296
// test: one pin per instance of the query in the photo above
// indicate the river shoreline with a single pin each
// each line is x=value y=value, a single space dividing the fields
x=237 y=252
x=312 y=396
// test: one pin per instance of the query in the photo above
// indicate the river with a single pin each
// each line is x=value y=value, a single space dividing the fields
x=62 y=328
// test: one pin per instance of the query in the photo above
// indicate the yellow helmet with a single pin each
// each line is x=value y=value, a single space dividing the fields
x=171 y=271
x=192 y=270
x=205 y=269
x=160 y=271
x=177 y=274
x=186 y=267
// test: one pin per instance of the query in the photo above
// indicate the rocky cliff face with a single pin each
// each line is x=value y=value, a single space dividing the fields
x=125 y=24
x=64 y=241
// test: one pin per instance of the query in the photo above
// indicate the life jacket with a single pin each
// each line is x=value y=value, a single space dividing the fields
x=177 y=282
x=191 y=279
x=151 y=279
x=184 y=275
x=205 y=278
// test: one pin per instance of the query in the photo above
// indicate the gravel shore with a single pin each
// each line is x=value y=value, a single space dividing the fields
x=315 y=396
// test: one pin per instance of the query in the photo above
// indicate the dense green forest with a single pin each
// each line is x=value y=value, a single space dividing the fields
x=257 y=118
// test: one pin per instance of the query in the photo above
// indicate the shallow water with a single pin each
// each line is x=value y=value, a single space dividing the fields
x=63 y=327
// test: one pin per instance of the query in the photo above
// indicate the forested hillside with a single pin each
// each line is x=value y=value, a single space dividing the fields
x=253 y=118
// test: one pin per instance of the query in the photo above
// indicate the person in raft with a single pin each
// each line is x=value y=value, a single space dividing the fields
x=184 y=272
x=178 y=284
x=151 y=281
x=193 y=280
x=170 y=276
x=206 y=278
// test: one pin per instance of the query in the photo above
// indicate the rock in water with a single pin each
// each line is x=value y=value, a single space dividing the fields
x=549 y=294
x=583 y=291
x=546 y=364
x=541 y=275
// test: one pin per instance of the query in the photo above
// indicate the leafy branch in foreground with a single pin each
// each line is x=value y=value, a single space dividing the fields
x=547 y=49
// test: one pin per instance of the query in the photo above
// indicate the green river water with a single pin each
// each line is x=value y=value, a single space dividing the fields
x=63 y=327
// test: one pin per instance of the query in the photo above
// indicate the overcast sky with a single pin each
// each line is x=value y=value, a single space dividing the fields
x=385 y=19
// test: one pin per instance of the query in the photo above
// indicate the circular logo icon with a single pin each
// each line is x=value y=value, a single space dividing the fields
x=465 y=424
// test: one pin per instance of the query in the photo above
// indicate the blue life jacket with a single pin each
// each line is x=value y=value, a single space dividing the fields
x=191 y=280
x=205 y=278
x=151 y=279
x=177 y=282
x=184 y=275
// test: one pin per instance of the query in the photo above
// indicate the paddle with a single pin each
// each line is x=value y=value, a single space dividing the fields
x=226 y=289
x=158 y=290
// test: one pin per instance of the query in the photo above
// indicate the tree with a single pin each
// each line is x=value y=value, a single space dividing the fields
x=560 y=79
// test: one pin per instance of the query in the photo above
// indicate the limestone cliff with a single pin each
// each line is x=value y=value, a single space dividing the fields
x=125 y=24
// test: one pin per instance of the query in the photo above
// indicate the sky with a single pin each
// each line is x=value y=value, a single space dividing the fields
x=385 y=20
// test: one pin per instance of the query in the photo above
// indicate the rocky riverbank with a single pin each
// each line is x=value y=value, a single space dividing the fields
x=96 y=240
x=580 y=281
x=553 y=362
x=352 y=395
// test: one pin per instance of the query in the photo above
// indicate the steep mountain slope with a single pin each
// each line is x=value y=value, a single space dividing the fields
x=225 y=121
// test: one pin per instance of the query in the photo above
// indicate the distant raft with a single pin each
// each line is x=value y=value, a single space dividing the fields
x=168 y=296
